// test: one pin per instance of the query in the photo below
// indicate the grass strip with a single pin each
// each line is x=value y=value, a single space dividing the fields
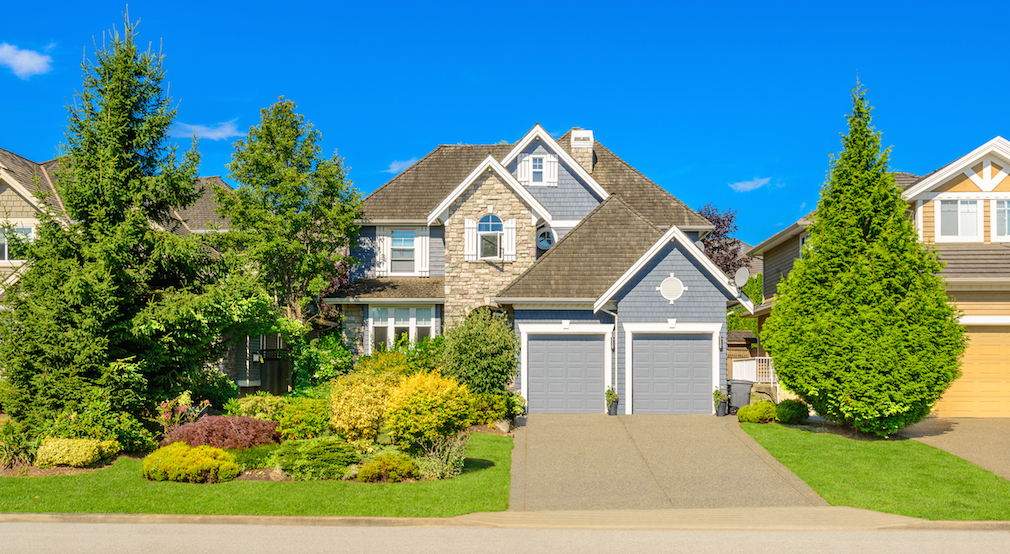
x=483 y=487
x=904 y=477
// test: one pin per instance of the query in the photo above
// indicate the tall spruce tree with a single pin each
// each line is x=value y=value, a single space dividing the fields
x=110 y=305
x=862 y=328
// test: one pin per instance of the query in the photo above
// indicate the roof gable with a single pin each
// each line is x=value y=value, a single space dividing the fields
x=490 y=164
x=997 y=149
x=538 y=133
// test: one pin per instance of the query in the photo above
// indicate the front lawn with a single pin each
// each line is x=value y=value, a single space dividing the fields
x=483 y=487
x=903 y=477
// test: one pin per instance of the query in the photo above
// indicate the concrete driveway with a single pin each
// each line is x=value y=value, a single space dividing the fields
x=982 y=442
x=599 y=462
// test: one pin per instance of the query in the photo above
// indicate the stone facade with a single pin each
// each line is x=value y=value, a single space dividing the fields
x=354 y=328
x=470 y=284
x=585 y=158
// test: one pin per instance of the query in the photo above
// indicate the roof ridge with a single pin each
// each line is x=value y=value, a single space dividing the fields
x=15 y=154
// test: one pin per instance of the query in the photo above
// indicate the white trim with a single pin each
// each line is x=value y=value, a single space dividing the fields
x=666 y=328
x=993 y=225
x=979 y=224
x=22 y=190
x=978 y=320
x=527 y=329
x=538 y=132
x=248 y=383
x=998 y=146
x=367 y=300
x=391 y=324
x=918 y=218
x=490 y=164
x=391 y=221
x=964 y=196
x=676 y=235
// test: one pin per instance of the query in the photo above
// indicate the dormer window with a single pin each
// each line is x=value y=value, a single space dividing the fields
x=539 y=170
x=959 y=219
x=1002 y=218
x=537 y=167
x=489 y=232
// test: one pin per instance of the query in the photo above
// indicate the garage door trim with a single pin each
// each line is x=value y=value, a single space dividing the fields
x=670 y=327
x=525 y=330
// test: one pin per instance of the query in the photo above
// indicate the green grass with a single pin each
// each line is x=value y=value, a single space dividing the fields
x=483 y=487
x=903 y=477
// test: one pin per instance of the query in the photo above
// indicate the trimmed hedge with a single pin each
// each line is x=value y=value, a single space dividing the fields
x=426 y=408
x=309 y=460
x=792 y=411
x=56 y=451
x=759 y=412
x=224 y=432
x=391 y=468
x=178 y=462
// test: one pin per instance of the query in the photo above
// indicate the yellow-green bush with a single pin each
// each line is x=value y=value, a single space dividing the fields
x=74 y=452
x=388 y=467
x=359 y=404
x=179 y=462
x=425 y=408
x=489 y=408
x=261 y=405
x=760 y=412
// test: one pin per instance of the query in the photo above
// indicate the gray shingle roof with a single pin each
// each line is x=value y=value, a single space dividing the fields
x=905 y=180
x=418 y=189
x=393 y=287
x=28 y=173
x=591 y=257
x=975 y=261
x=201 y=216
x=740 y=337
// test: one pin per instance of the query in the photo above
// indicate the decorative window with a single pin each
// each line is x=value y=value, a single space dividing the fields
x=959 y=219
x=402 y=258
x=489 y=233
x=391 y=326
x=545 y=238
x=12 y=250
x=537 y=169
x=1002 y=219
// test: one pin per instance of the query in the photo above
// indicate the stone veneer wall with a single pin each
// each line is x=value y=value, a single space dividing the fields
x=472 y=284
x=585 y=158
x=353 y=328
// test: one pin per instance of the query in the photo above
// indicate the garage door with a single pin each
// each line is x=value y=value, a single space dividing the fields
x=984 y=388
x=671 y=374
x=565 y=374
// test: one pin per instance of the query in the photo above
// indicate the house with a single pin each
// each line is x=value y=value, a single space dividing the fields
x=963 y=209
x=597 y=266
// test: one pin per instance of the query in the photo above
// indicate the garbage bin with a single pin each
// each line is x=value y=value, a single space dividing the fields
x=739 y=394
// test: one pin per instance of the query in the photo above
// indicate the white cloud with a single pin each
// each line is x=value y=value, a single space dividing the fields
x=24 y=63
x=399 y=166
x=745 y=186
x=220 y=131
x=802 y=205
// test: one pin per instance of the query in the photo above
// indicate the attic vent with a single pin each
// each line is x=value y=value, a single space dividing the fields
x=582 y=139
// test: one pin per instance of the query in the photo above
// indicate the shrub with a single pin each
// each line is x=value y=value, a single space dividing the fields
x=489 y=408
x=392 y=361
x=179 y=462
x=179 y=410
x=427 y=407
x=254 y=458
x=792 y=411
x=388 y=467
x=481 y=352
x=17 y=448
x=224 y=432
x=444 y=458
x=759 y=412
x=74 y=452
x=359 y=404
x=516 y=405
x=323 y=458
x=211 y=384
x=426 y=356
x=320 y=360
x=261 y=405
x=303 y=418
x=98 y=421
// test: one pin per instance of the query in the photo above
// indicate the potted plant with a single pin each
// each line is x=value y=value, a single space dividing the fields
x=721 y=401
x=612 y=399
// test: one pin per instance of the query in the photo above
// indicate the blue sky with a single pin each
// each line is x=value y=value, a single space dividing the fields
x=738 y=104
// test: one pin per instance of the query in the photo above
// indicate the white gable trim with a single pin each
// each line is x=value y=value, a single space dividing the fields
x=489 y=163
x=675 y=235
x=21 y=190
x=998 y=146
x=538 y=132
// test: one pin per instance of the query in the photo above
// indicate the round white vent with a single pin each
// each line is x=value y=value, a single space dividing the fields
x=545 y=239
x=671 y=288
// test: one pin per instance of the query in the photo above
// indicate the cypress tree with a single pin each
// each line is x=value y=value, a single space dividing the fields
x=862 y=328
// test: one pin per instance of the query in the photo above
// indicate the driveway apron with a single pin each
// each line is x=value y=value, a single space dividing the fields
x=981 y=441
x=589 y=461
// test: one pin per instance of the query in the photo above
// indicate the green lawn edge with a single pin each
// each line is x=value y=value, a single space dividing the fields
x=119 y=489
x=904 y=477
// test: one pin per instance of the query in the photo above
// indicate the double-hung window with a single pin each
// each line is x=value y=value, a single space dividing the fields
x=489 y=233
x=1001 y=217
x=394 y=325
x=960 y=219
x=12 y=250
x=402 y=258
x=537 y=169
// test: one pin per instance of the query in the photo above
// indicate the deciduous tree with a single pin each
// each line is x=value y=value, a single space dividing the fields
x=720 y=245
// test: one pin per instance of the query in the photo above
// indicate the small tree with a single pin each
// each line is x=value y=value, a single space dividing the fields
x=734 y=318
x=862 y=329
x=720 y=245
x=481 y=352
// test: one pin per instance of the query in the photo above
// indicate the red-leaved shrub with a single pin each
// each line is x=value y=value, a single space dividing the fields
x=238 y=432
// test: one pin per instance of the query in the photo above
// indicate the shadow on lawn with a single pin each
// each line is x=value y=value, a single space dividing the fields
x=833 y=428
x=471 y=465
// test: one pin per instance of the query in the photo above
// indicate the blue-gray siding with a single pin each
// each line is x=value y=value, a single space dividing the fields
x=436 y=251
x=365 y=254
x=571 y=199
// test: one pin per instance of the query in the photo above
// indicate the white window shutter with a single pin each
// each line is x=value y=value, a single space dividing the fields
x=552 y=170
x=422 y=252
x=523 y=169
x=509 y=248
x=383 y=251
x=470 y=241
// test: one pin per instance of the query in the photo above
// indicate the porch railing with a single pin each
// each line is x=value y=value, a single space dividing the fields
x=759 y=370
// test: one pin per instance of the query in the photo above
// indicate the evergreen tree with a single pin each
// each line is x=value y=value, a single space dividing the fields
x=110 y=304
x=862 y=328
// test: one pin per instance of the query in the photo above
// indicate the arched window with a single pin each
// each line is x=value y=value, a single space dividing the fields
x=490 y=230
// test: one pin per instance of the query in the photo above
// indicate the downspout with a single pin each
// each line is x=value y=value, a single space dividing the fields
x=614 y=373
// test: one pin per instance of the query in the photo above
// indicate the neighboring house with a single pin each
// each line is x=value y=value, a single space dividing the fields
x=963 y=209
x=596 y=265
